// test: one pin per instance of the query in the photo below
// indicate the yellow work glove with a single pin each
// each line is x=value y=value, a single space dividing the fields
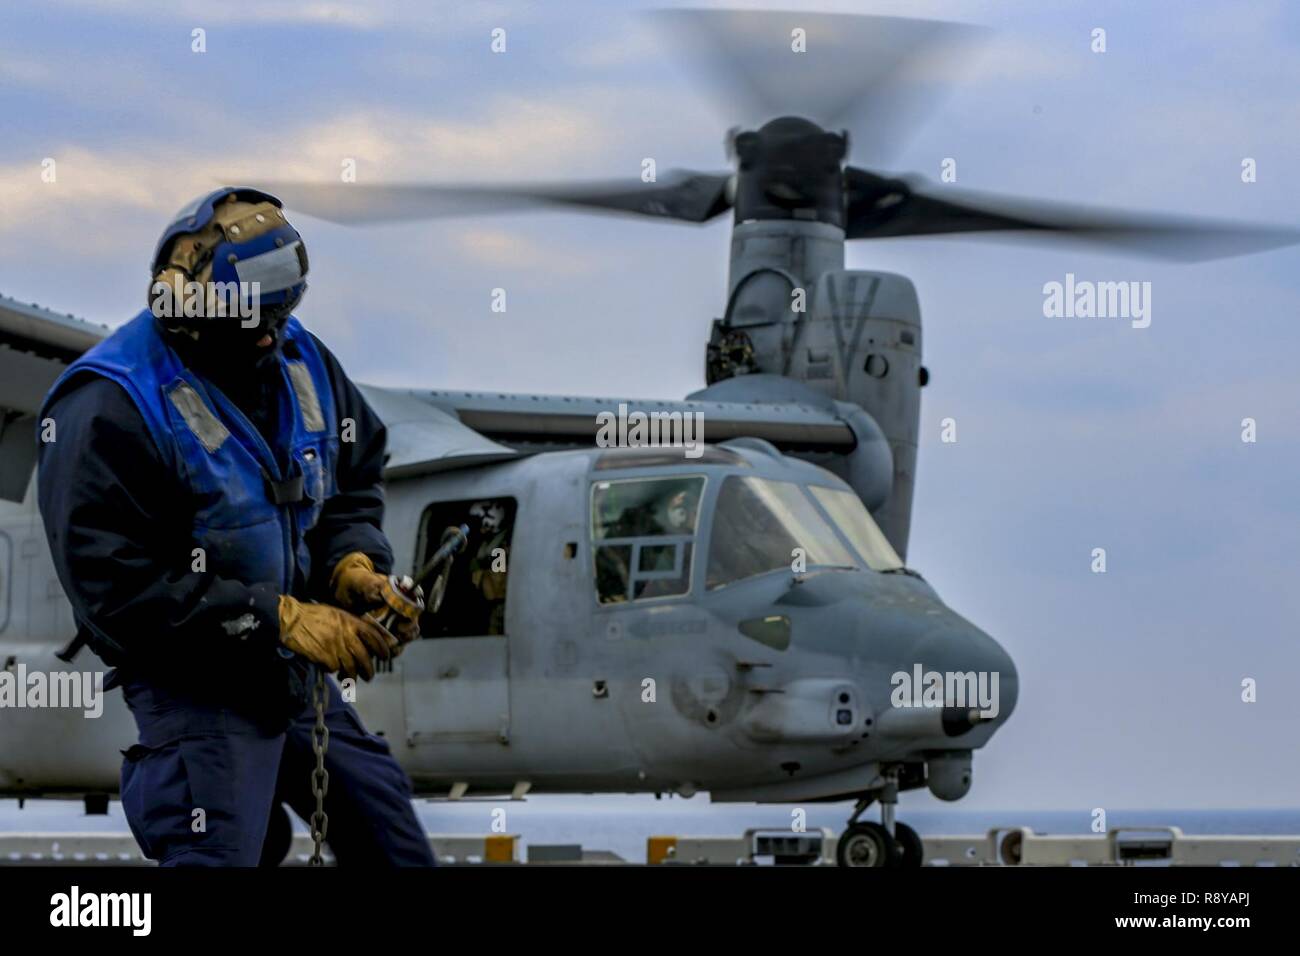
x=359 y=588
x=333 y=638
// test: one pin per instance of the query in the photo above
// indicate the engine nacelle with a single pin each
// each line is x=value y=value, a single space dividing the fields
x=861 y=343
x=857 y=339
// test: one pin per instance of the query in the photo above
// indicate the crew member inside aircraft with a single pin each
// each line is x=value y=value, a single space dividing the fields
x=213 y=503
x=489 y=566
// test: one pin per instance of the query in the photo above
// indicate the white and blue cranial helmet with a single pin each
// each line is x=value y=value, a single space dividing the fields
x=231 y=238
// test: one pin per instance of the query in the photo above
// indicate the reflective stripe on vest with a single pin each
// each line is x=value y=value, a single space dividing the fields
x=206 y=426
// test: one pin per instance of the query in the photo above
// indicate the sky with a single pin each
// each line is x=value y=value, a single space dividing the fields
x=1072 y=434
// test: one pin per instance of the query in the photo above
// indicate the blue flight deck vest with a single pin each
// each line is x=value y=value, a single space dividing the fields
x=250 y=516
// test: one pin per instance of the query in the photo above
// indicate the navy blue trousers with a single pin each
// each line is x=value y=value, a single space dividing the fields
x=200 y=786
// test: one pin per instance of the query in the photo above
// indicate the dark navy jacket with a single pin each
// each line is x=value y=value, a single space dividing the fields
x=158 y=451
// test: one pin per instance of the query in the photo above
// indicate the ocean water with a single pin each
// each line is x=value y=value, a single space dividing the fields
x=621 y=824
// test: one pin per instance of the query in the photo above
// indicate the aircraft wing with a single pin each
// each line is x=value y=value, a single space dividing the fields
x=36 y=345
x=424 y=438
x=792 y=416
x=550 y=422
x=433 y=431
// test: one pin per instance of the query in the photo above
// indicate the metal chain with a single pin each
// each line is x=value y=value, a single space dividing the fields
x=320 y=778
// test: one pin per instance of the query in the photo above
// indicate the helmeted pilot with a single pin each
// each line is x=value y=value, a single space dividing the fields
x=213 y=503
x=489 y=566
x=680 y=512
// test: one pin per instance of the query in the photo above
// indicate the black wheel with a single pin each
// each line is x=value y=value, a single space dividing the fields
x=866 y=844
x=279 y=837
x=911 y=851
x=1012 y=847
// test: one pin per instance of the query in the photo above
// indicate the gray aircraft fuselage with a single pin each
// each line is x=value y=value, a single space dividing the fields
x=775 y=687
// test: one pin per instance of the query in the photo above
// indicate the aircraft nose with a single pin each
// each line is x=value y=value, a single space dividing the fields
x=993 y=659
x=962 y=648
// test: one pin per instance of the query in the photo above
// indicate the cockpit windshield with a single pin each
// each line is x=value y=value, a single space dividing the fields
x=762 y=525
x=851 y=517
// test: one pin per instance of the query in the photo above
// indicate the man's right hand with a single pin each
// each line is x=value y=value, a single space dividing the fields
x=331 y=637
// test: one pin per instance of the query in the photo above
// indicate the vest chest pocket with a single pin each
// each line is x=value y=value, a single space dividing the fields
x=316 y=459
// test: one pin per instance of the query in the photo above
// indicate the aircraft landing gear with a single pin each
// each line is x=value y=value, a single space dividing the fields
x=911 y=851
x=866 y=844
x=887 y=844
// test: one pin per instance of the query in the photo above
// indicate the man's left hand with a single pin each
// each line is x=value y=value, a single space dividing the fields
x=356 y=586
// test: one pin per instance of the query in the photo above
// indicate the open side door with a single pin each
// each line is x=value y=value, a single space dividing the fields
x=455 y=679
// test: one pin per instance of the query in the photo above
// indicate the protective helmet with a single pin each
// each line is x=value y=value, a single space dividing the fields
x=681 y=512
x=490 y=515
x=229 y=239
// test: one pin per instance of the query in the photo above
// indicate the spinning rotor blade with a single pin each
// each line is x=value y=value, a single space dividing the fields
x=879 y=207
x=875 y=75
x=682 y=195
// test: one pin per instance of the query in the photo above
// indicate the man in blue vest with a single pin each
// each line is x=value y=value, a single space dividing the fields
x=213 y=503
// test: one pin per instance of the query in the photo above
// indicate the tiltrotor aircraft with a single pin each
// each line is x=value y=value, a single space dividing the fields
x=729 y=619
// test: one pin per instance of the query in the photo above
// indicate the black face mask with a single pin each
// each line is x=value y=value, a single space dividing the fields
x=227 y=352
x=239 y=346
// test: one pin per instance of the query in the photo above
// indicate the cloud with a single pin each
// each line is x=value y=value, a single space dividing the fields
x=95 y=187
x=633 y=42
x=87 y=208
x=17 y=69
x=441 y=15
x=500 y=247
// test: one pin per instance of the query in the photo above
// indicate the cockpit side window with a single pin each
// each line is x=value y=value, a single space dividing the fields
x=761 y=525
x=643 y=535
